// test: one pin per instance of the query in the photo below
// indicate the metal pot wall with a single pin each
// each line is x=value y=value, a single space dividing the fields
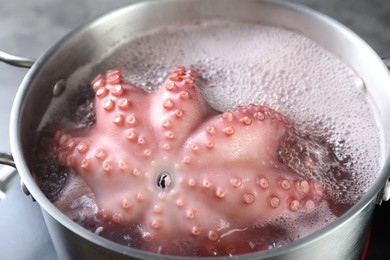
x=342 y=239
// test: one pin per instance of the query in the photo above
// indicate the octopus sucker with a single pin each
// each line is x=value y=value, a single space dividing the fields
x=114 y=76
x=190 y=214
x=249 y=198
x=206 y=183
x=170 y=165
x=220 y=192
x=126 y=204
x=98 y=82
x=157 y=209
x=123 y=103
x=100 y=154
x=118 y=119
x=168 y=104
x=227 y=116
x=117 y=218
x=101 y=92
x=123 y=166
x=84 y=164
x=274 y=202
x=117 y=90
x=246 y=120
x=263 y=182
x=236 y=182
x=285 y=184
x=294 y=205
x=131 y=120
x=229 y=130
x=195 y=231
x=180 y=203
x=191 y=182
x=108 y=105
x=179 y=113
x=213 y=235
x=82 y=147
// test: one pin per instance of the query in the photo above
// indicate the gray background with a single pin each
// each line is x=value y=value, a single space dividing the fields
x=28 y=28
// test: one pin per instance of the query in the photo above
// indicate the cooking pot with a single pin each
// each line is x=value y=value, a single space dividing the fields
x=342 y=239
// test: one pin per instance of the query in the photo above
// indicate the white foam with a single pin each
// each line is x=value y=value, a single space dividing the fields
x=241 y=63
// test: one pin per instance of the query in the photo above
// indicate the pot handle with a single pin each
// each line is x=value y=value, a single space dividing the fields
x=7 y=159
x=16 y=60
x=7 y=178
x=8 y=174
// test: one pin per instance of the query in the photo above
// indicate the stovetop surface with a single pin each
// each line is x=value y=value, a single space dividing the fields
x=29 y=28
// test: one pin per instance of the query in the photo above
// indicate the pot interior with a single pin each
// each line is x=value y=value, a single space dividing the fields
x=93 y=48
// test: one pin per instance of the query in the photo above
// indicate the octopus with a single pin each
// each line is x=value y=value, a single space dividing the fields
x=171 y=168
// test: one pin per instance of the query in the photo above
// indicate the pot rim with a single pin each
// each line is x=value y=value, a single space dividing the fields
x=52 y=210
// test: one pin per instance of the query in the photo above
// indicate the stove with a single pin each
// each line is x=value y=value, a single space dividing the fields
x=29 y=28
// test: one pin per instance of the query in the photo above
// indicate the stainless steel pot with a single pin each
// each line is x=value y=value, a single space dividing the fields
x=342 y=239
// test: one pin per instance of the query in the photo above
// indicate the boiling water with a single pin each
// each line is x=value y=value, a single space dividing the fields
x=240 y=64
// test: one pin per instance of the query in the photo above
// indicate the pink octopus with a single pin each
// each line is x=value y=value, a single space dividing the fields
x=175 y=168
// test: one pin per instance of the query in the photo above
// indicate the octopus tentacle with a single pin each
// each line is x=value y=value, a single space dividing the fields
x=177 y=109
x=249 y=134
